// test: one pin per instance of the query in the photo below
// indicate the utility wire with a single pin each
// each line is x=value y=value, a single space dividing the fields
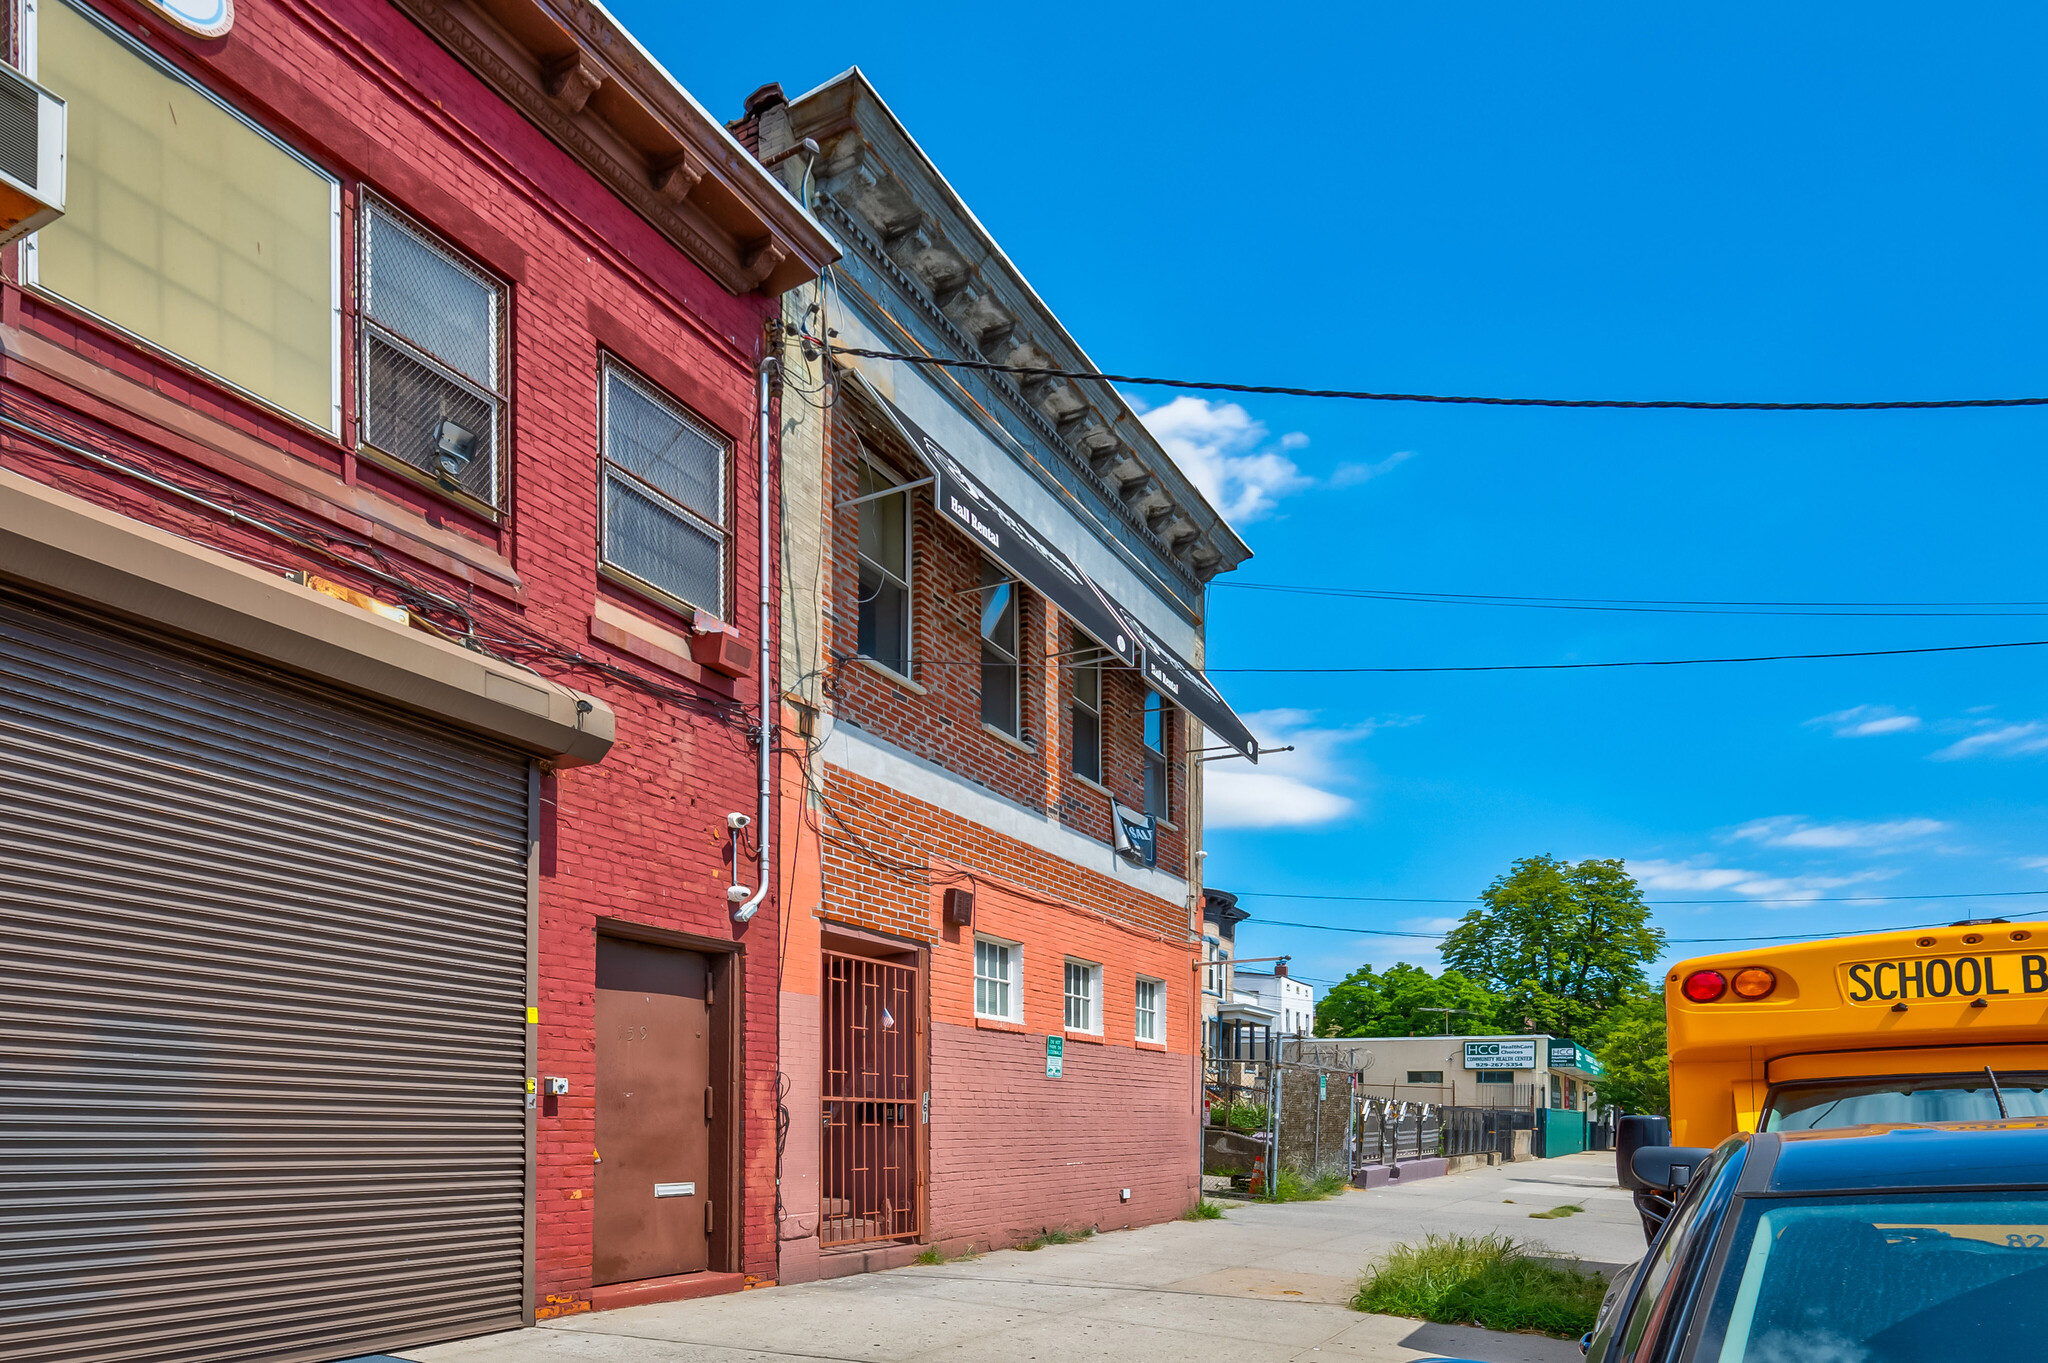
x=1655 y=903
x=1680 y=941
x=1804 y=609
x=1640 y=662
x=1037 y=372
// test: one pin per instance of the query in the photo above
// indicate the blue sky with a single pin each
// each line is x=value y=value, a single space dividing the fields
x=1762 y=202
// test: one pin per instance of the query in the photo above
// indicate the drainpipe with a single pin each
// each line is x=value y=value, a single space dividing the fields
x=769 y=646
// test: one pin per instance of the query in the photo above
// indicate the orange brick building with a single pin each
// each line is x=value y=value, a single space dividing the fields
x=994 y=728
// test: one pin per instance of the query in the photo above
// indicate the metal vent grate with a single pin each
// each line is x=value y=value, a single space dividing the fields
x=20 y=128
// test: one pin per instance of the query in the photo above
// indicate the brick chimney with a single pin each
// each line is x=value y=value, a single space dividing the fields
x=1280 y=969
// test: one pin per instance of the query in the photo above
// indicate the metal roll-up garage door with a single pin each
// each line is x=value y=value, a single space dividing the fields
x=262 y=1012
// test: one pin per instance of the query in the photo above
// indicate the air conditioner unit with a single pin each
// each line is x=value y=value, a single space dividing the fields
x=31 y=156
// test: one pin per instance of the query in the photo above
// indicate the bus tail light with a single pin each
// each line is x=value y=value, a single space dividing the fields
x=1704 y=986
x=1753 y=982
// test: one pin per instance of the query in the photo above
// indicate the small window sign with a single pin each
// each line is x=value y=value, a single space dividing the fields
x=207 y=18
x=1055 y=1055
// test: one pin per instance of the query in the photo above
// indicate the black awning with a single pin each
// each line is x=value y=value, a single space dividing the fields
x=1012 y=541
x=1181 y=682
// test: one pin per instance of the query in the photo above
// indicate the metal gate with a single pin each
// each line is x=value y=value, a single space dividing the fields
x=261 y=1016
x=869 y=1186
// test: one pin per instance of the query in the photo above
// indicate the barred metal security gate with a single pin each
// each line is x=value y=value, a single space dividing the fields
x=869 y=1186
x=261 y=1014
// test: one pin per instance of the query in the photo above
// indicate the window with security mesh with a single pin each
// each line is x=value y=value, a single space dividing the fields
x=664 y=493
x=432 y=347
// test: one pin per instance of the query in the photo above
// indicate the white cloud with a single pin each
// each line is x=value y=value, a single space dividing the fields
x=1351 y=474
x=1228 y=455
x=1790 y=830
x=1866 y=721
x=1700 y=874
x=1995 y=739
x=1287 y=789
x=2033 y=863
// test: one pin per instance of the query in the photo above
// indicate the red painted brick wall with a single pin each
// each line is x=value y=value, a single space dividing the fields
x=358 y=88
x=1014 y=1153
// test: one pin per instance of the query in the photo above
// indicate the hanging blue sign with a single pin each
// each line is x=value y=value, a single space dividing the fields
x=1137 y=835
x=207 y=18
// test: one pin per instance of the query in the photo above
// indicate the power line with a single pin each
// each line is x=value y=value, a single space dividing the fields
x=920 y=663
x=1747 y=608
x=1037 y=372
x=1640 y=662
x=1679 y=941
x=1656 y=903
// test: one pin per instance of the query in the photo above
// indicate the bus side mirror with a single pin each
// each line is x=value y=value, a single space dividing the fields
x=1630 y=1135
x=1668 y=1167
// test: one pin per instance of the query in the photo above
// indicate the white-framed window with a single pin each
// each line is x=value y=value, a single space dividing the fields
x=664 y=475
x=187 y=226
x=884 y=571
x=1212 y=973
x=431 y=367
x=1151 y=1002
x=1001 y=680
x=998 y=983
x=1087 y=708
x=1158 y=790
x=1084 y=997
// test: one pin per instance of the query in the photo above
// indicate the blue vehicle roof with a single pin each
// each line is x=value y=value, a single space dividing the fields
x=1925 y=1155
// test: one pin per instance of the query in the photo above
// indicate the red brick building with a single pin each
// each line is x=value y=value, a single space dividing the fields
x=993 y=823
x=380 y=549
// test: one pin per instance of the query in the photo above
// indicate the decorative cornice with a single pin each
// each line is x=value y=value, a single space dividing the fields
x=855 y=229
x=572 y=73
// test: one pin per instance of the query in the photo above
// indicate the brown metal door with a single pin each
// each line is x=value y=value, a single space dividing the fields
x=654 y=1112
x=873 y=1107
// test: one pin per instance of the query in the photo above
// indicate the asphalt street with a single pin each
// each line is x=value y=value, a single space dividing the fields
x=1265 y=1284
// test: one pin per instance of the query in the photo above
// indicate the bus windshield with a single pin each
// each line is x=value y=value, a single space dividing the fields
x=1923 y=1098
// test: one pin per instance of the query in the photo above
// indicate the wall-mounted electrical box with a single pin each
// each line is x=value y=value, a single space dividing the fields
x=960 y=908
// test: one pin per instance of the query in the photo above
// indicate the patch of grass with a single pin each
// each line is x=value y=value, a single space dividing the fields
x=1245 y=1117
x=1204 y=1210
x=933 y=1255
x=1556 y=1213
x=1489 y=1280
x=930 y=1256
x=1055 y=1237
x=1293 y=1185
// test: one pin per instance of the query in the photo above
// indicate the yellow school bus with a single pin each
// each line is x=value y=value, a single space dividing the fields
x=1931 y=1024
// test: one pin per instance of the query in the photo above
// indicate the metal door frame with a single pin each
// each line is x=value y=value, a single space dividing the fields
x=727 y=960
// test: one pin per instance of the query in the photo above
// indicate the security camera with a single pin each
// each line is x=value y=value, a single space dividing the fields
x=737 y=894
x=454 y=447
x=737 y=822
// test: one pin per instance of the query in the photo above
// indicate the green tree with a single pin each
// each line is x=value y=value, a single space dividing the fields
x=1560 y=942
x=1631 y=1047
x=1392 y=1003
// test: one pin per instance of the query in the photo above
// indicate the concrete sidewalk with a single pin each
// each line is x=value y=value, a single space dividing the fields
x=1266 y=1283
